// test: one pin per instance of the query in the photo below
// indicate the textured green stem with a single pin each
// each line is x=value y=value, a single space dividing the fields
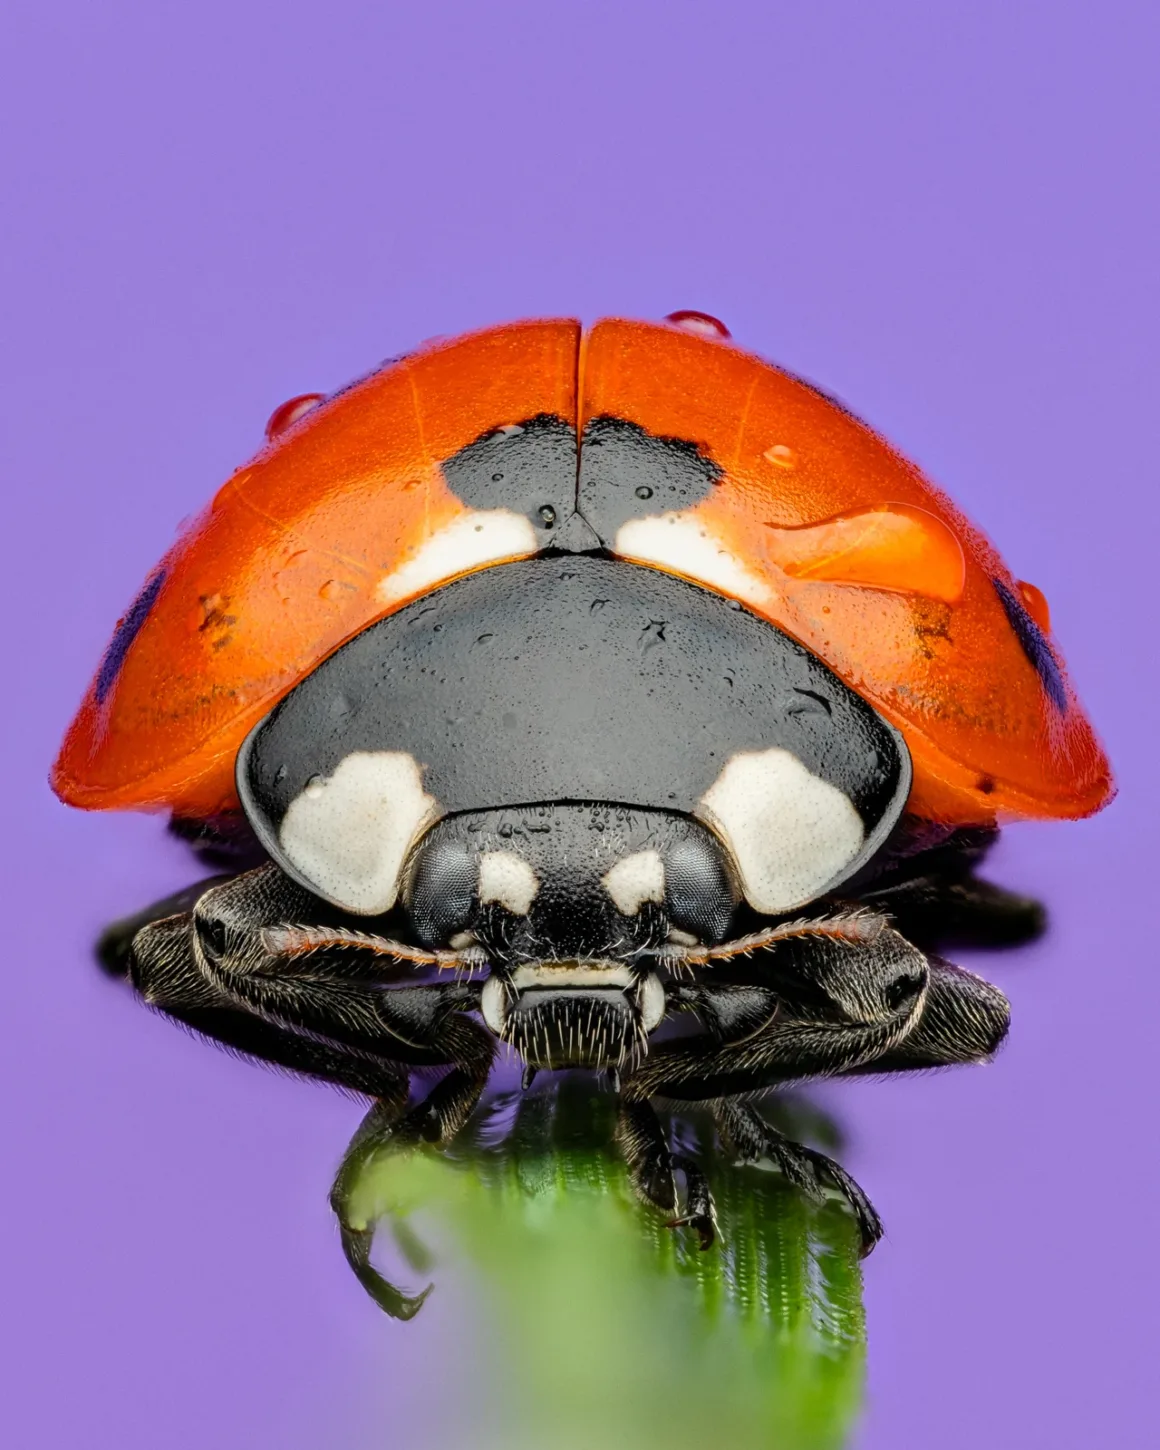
x=605 y=1328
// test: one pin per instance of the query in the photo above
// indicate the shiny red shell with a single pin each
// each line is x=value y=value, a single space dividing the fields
x=817 y=524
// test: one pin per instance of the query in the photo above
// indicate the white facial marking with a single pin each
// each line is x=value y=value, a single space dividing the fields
x=652 y=1002
x=483 y=536
x=634 y=880
x=682 y=543
x=348 y=834
x=571 y=974
x=792 y=834
x=493 y=1005
x=508 y=879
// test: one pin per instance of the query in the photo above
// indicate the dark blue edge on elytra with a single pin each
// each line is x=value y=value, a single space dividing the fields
x=128 y=628
x=1035 y=646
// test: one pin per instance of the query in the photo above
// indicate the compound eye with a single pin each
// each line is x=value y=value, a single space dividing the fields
x=700 y=893
x=440 y=895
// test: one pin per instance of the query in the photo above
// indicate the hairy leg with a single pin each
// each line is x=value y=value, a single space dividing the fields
x=956 y=1018
x=329 y=1014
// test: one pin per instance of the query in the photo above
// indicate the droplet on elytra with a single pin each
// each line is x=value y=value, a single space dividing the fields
x=644 y=491
x=700 y=323
x=1036 y=604
x=781 y=456
x=547 y=516
x=290 y=411
x=332 y=589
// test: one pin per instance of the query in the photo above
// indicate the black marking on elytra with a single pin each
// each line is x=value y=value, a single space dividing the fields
x=528 y=467
x=509 y=688
x=126 y=632
x=627 y=472
x=1035 y=645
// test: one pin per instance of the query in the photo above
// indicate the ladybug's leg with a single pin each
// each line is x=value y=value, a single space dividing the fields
x=168 y=976
x=754 y=1141
x=956 y=1017
x=115 y=943
x=839 y=1001
x=936 y=900
x=940 y=911
x=964 y=1019
x=329 y=1013
x=642 y=1142
x=437 y=1119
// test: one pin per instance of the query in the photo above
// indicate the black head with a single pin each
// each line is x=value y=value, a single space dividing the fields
x=570 y=903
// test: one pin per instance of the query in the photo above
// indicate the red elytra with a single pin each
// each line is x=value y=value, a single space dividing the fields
x=830 y=534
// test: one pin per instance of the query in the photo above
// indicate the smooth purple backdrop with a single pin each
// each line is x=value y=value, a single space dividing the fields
x=947 y=215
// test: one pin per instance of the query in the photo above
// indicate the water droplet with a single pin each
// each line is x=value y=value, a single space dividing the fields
x=510 y=430
x=288 y=414
x=644 y=491
x=497 y=478
x=548 y=516
x=314 y=786
x=700 y=323
x=1035 y=602
x=781 y=456
x=331 y=590
x=280 y=775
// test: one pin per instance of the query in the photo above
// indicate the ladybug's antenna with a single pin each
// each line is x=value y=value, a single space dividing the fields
x=856 y=928
x=297 y=941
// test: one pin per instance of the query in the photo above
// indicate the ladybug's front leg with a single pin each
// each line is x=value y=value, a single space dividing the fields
x=436 y=1120
x=225 y=966
x=917 y=1012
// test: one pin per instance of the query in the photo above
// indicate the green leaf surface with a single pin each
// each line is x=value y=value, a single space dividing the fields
x=600 y=1326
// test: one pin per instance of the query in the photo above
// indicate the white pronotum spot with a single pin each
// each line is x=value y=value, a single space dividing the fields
x=484 y=536
x=683 y=544
x=348 y=834
x=507 y=879
x=634 y=880
x=792 y=834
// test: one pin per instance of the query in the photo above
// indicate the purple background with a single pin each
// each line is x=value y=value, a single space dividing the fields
x=947 y=215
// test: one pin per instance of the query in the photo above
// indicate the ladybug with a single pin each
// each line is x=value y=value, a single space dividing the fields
x=606 y=693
